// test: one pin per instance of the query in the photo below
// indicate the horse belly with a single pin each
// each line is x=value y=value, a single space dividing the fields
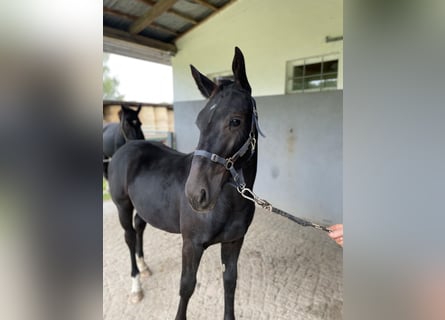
x=157 y=207
x=161 y=219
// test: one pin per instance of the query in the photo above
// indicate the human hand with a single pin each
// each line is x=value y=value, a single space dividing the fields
x=336 y=233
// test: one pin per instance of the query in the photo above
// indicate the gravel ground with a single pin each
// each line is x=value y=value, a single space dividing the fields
x=285 y=272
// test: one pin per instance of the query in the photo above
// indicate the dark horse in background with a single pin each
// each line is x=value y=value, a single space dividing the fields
x=194 y=194
x=116 y=134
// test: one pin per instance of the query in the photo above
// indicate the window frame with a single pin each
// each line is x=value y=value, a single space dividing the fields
x=291 y=64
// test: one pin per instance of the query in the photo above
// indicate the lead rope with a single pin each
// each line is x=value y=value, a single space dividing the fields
x=250 y=195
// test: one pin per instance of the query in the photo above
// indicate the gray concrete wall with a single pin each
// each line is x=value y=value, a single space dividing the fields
x=300 y=160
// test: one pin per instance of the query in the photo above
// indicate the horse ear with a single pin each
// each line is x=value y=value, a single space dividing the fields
x=205 y=85
x=239 y=70
x=139 y=108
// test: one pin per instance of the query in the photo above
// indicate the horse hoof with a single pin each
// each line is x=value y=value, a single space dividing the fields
x=145 y=273
x=135 y=297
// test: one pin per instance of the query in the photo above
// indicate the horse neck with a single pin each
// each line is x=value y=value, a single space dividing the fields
x=118 y=136
x=122 y=131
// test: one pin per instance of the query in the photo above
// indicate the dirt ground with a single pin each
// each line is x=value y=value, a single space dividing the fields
x=285 y=272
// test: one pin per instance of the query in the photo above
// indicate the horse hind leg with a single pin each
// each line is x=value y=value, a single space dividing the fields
x=105 y=162
x=139 y=225
x=125 y=210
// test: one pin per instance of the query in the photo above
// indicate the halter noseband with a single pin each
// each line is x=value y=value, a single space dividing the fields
x=229 y=163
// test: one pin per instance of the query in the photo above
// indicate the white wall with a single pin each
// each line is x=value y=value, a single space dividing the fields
x=268 y=32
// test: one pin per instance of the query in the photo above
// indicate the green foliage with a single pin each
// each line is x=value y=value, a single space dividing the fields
x=110 y=84
x=105 y=193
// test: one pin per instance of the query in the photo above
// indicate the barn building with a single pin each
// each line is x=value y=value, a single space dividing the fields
x=294 y=58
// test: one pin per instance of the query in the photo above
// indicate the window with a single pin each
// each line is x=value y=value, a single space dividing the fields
x=312 y=74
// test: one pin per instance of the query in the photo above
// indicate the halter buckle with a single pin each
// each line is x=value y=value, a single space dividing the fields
x=229 y=164
x=252 y=143
x=214 y=157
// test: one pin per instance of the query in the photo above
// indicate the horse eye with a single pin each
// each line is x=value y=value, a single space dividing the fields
x=135 y=122
x=235 y=122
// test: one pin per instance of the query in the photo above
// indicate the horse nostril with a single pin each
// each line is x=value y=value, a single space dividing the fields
x=202 y=196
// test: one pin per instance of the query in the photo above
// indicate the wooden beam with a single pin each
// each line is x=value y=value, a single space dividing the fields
x=119 y=13
x=145 y=41
x=183 y=16
x=173 y=12
x=163 y=29
x=107 y=103
x=137 y=51
x=133 y=18
x=206 y=4
x=154 y=12
x=205 y=19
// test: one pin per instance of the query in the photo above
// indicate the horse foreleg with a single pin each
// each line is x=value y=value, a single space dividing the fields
x=191 y=256
x=125 y=218
x=229 y=257
x=140 y=225
x=105 y=161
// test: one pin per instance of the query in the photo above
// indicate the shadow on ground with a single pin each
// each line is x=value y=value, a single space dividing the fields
x=286 y=272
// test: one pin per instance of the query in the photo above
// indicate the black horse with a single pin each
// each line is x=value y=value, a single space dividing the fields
x=194 y=194
x=116 y=134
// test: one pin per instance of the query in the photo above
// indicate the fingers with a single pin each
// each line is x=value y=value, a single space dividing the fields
x=336 y=227
x=337 y=238
x=339 y=241
x=336 y=233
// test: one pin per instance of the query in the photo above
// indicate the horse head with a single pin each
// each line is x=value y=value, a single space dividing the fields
x=228 y=133
x=130 y=123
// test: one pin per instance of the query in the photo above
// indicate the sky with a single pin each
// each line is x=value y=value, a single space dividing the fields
x=141 y=80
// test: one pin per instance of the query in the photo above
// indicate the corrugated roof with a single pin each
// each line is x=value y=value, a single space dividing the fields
x=156 y=23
